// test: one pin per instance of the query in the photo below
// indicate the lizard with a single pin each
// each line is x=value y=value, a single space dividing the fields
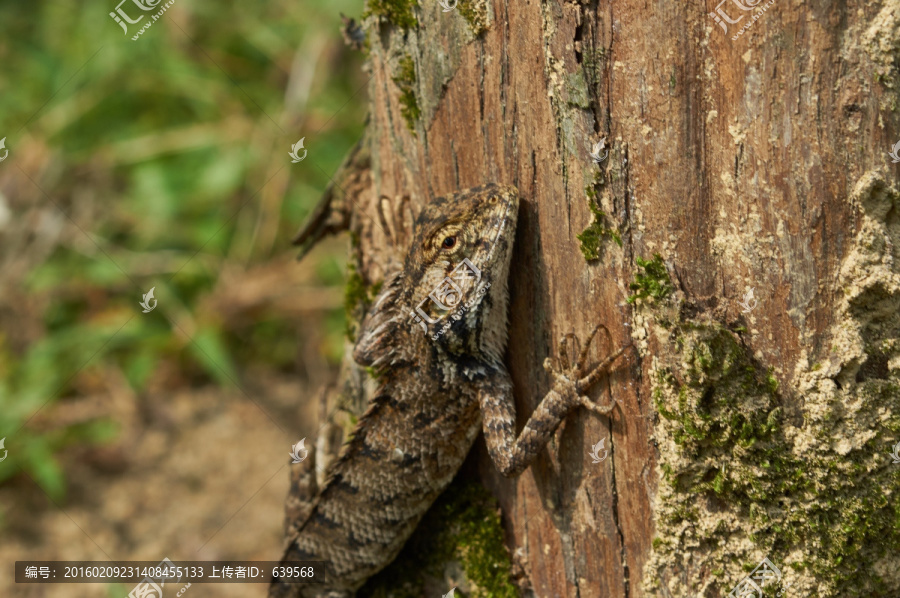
x=434 y=337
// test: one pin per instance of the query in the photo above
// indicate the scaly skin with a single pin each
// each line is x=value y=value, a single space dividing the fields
x=437 y=391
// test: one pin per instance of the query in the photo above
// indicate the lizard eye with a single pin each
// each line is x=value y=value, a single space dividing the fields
x=449 y=243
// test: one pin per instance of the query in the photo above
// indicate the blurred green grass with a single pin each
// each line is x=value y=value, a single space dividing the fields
x=160 y=162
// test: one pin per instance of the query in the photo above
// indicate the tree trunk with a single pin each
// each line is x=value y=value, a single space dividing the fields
x=745 y=161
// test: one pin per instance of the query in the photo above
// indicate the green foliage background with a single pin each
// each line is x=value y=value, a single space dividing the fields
x=153 y=158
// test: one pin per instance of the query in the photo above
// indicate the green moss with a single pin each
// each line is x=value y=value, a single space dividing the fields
x=653 y=283
x=406 y=81
x=708 y=414
x=397 y=12
x=576 y=90
x=593 y=236
x=462 y=527
x=357 y=299
x=732 y=474
x=771 y=381
x=475 y=14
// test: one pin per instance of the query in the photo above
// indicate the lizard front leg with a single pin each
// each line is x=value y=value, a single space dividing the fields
x=513 y=455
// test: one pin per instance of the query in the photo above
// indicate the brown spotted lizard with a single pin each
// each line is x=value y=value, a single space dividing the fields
x=435 y=337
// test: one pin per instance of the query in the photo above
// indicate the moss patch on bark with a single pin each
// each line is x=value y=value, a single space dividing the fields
x=475 y=14
x=801 y=475
x=458 y=543
x=651 y=283
x=406 y=81
x=358 y=297
x=397 y=12
x=593 y=237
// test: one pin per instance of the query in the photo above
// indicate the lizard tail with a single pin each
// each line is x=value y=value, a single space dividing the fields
x=297 y=507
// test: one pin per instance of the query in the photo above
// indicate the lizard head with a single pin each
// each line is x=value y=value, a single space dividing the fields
x=458 y=264
x=451 y=293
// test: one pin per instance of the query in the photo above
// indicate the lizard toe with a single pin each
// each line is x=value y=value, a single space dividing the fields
x=548 y=366
x=599 y=409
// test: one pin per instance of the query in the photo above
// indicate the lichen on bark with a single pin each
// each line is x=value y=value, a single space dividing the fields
x=800 y=475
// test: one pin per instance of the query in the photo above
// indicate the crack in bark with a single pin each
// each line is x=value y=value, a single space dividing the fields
x=614 y=507
x=626 y=581
x=533 y=170
x=455 y=162
x=481 y=87
x=737 y=163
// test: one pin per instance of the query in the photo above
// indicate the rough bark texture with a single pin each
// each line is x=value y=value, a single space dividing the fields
x=756 y=162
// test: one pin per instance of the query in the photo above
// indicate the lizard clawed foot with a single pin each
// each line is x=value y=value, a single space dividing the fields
x=574 y=379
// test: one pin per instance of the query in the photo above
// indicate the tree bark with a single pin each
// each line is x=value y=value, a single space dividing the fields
x=746 y=161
